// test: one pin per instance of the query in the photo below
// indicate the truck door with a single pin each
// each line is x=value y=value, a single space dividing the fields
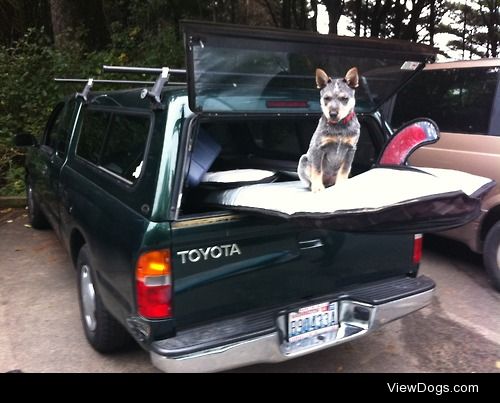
x=53 y=151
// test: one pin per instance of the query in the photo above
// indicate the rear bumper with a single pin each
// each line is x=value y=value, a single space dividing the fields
x=260 y=338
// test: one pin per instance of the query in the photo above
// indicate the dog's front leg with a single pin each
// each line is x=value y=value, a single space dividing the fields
x=345 y=168
x=317 y=172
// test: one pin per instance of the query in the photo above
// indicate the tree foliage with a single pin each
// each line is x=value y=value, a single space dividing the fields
x=476 y=26
x=42 y=39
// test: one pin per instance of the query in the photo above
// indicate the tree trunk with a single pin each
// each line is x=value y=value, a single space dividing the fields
x=410 y=32
x=334 y=9
x=358 y=12
x=83 y=22
x=314 y=18
x=375 y=24
x=95 y=23
x=399 y=16
x=64 y=15
x=286 y=14
x=432 y=23
x=491 y=20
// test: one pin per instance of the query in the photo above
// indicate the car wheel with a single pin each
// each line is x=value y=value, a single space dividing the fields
x=104 y=333
x=491 y=254
x=36 y=217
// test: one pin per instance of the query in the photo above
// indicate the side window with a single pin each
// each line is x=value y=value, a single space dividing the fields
x=458 y=100
x=58 y=130
x=92 y=135
x=52 y=129
x=125 y=146
x=114 y=141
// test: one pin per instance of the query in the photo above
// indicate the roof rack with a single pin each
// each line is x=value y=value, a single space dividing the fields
x=154 y=92
x=83 y=80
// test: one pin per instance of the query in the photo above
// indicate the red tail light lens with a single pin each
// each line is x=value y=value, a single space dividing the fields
x=154 y=285
x=417 y=248
x=407 y=140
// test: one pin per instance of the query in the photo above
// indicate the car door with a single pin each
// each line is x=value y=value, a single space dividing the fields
x=53 y=151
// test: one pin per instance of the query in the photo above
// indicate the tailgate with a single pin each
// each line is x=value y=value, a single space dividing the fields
x=228 y=265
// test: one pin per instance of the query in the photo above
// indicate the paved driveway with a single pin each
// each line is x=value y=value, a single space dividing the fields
x=40 y=327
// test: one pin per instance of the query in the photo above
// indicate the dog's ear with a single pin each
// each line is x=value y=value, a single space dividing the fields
x=322 y=78
x=352 y=78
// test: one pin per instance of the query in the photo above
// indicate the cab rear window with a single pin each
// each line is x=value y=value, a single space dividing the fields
x=114 y=141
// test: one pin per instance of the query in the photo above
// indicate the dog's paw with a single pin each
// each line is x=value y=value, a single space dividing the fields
x=340 y=179
x=317 y=188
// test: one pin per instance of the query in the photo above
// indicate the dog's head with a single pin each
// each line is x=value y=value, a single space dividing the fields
x=337 y=96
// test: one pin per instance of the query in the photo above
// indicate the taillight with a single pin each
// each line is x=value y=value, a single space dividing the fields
x=406 y=140
x=417 y=248
x=154 y=285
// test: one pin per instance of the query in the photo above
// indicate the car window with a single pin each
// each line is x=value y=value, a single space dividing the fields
x=124 y=150
x=93 y=135
x=55 y=137
x=280 y=139
x=114 y=141
x=59 y=128
x=458 y=100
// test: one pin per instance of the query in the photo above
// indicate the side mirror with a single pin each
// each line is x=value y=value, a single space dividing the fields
x=25 y=140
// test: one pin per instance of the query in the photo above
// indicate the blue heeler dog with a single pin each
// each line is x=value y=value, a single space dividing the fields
x=333 y=144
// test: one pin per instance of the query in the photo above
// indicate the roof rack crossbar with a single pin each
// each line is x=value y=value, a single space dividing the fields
x=140 y=70
x=123 y=82
x=82 y=80
x=155 y=92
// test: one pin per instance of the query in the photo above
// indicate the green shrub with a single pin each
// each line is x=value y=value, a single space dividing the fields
x=28 y=92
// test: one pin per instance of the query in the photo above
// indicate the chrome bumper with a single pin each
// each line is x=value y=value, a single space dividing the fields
x=271 y=348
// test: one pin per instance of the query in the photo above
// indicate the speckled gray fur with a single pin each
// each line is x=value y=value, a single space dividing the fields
x=333 y=144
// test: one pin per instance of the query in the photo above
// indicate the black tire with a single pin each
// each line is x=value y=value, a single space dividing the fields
x=36 y=217
x=491 y=255
x=104 y=333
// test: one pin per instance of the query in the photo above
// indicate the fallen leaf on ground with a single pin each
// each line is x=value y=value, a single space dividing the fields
x=27 y=225
x=7 y=210
x=10 y=221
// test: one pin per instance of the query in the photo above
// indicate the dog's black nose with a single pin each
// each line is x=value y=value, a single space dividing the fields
x=333 y=114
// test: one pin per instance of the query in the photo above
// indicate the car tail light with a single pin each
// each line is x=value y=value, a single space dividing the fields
x=407 y=139
x=154 y=285
x=417 y=248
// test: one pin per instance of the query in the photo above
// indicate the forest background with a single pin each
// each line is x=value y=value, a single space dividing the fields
x=43 y=39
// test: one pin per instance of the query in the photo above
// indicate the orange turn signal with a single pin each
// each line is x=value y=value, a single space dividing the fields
x=153 y=264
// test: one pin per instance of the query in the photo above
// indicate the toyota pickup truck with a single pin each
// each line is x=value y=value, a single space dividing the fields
x=119 y=177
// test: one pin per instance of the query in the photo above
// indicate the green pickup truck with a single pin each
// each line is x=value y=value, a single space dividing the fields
x=119 y=174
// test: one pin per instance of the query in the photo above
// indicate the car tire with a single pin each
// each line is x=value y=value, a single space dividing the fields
x=104 y=333
x=491 y=255
x=35 y=215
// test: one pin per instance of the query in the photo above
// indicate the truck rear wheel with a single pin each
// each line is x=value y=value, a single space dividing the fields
x=491 y=254
x=35 y=214
x=104 y=333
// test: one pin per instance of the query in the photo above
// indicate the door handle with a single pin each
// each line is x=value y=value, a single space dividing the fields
x=311 y=244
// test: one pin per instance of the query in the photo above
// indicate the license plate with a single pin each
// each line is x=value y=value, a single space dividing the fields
x=315 y=322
